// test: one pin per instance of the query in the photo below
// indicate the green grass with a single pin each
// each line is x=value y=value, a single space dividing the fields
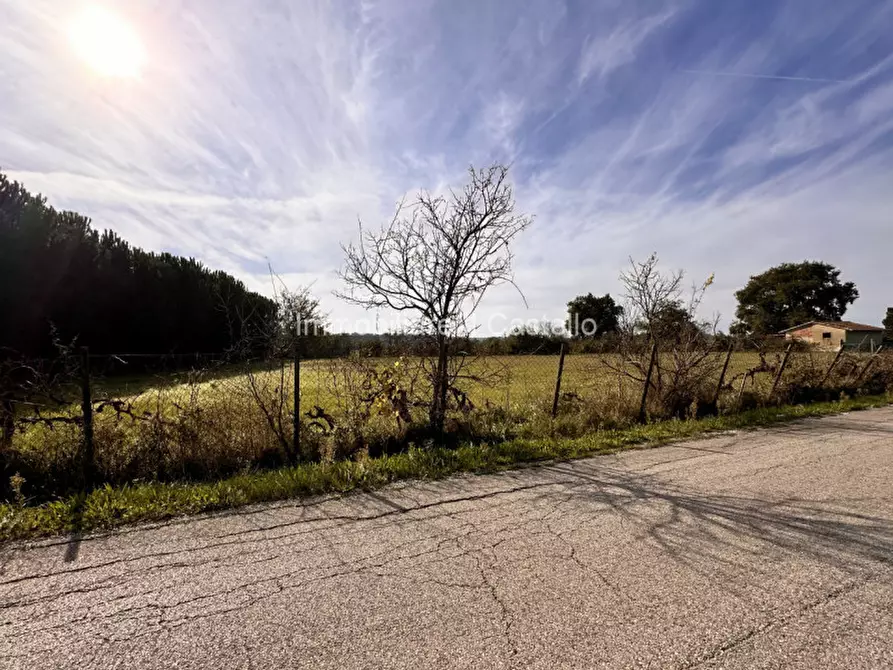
x=111 y=507
x=499 y=380
x=511 y=381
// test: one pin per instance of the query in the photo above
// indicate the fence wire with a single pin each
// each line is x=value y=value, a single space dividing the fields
x=82 y=419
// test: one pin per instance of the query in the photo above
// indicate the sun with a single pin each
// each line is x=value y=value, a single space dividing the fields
x=107 y=43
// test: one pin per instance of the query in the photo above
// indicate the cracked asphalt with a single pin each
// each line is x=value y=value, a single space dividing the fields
x=768 y=549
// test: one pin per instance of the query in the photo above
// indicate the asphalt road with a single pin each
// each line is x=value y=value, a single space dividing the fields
x=771 y=549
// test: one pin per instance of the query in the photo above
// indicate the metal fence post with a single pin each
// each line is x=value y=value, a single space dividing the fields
x=297 y=400
x=558 y=381
x=781 y=367
x=722 y=375
x=87 y=413
x=647 y=382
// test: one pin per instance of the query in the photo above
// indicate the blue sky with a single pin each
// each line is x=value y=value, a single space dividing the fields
x=725 y=135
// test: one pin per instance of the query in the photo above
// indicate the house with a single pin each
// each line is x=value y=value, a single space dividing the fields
x=836 y=334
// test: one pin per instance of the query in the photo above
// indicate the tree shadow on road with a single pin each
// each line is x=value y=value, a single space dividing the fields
x=698 y=528
x=833 y=424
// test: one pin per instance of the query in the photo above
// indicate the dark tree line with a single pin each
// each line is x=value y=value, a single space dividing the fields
x=62 y=280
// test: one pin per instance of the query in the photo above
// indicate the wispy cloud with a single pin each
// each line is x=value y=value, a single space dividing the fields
x=604 y=53
x=766 y=76
x=725 y=136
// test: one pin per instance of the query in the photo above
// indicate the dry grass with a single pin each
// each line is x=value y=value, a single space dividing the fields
x=196 y=426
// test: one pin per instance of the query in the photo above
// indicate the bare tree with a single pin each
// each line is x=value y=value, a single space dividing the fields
x=298 y=317
x=268 y=348
x=436 y=259
x=659 y=315
x=649 y=293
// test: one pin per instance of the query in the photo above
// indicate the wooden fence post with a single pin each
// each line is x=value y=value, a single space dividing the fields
x=781 y=367
x=647 y=382
x=87 y=414
x=722 y=375
x=558 y=381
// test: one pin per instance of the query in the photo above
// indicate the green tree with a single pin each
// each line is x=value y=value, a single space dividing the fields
x=534 y=338
x=591 y=316
x=888 y=324
x=58 y=274
x=790 y=294
x=672 y=322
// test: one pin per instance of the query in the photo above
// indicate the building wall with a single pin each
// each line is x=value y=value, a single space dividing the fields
x=802 y=334
x=837 y=337
x=872 y=340
x=816 y=335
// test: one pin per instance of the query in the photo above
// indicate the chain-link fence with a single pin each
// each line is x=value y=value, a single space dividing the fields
x=82 y=418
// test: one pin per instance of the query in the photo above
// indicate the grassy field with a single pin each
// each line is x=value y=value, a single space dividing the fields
x=516 y=382
x=205 y=440
x=210 y=424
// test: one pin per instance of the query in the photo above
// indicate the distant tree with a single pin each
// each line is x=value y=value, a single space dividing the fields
x=296 y=328
x=535 y=338
x=670 y=323
x=591 y=316
x=790 y=294
x=888 y=324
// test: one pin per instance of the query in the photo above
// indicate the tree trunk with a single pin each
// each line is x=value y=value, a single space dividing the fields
x=441 y=382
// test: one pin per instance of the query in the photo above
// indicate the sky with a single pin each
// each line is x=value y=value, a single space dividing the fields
x=727 y=136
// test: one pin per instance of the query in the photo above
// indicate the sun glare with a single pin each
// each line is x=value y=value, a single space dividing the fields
x=107 y=43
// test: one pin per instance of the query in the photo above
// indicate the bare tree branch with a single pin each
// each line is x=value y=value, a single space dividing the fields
x=436 y=258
